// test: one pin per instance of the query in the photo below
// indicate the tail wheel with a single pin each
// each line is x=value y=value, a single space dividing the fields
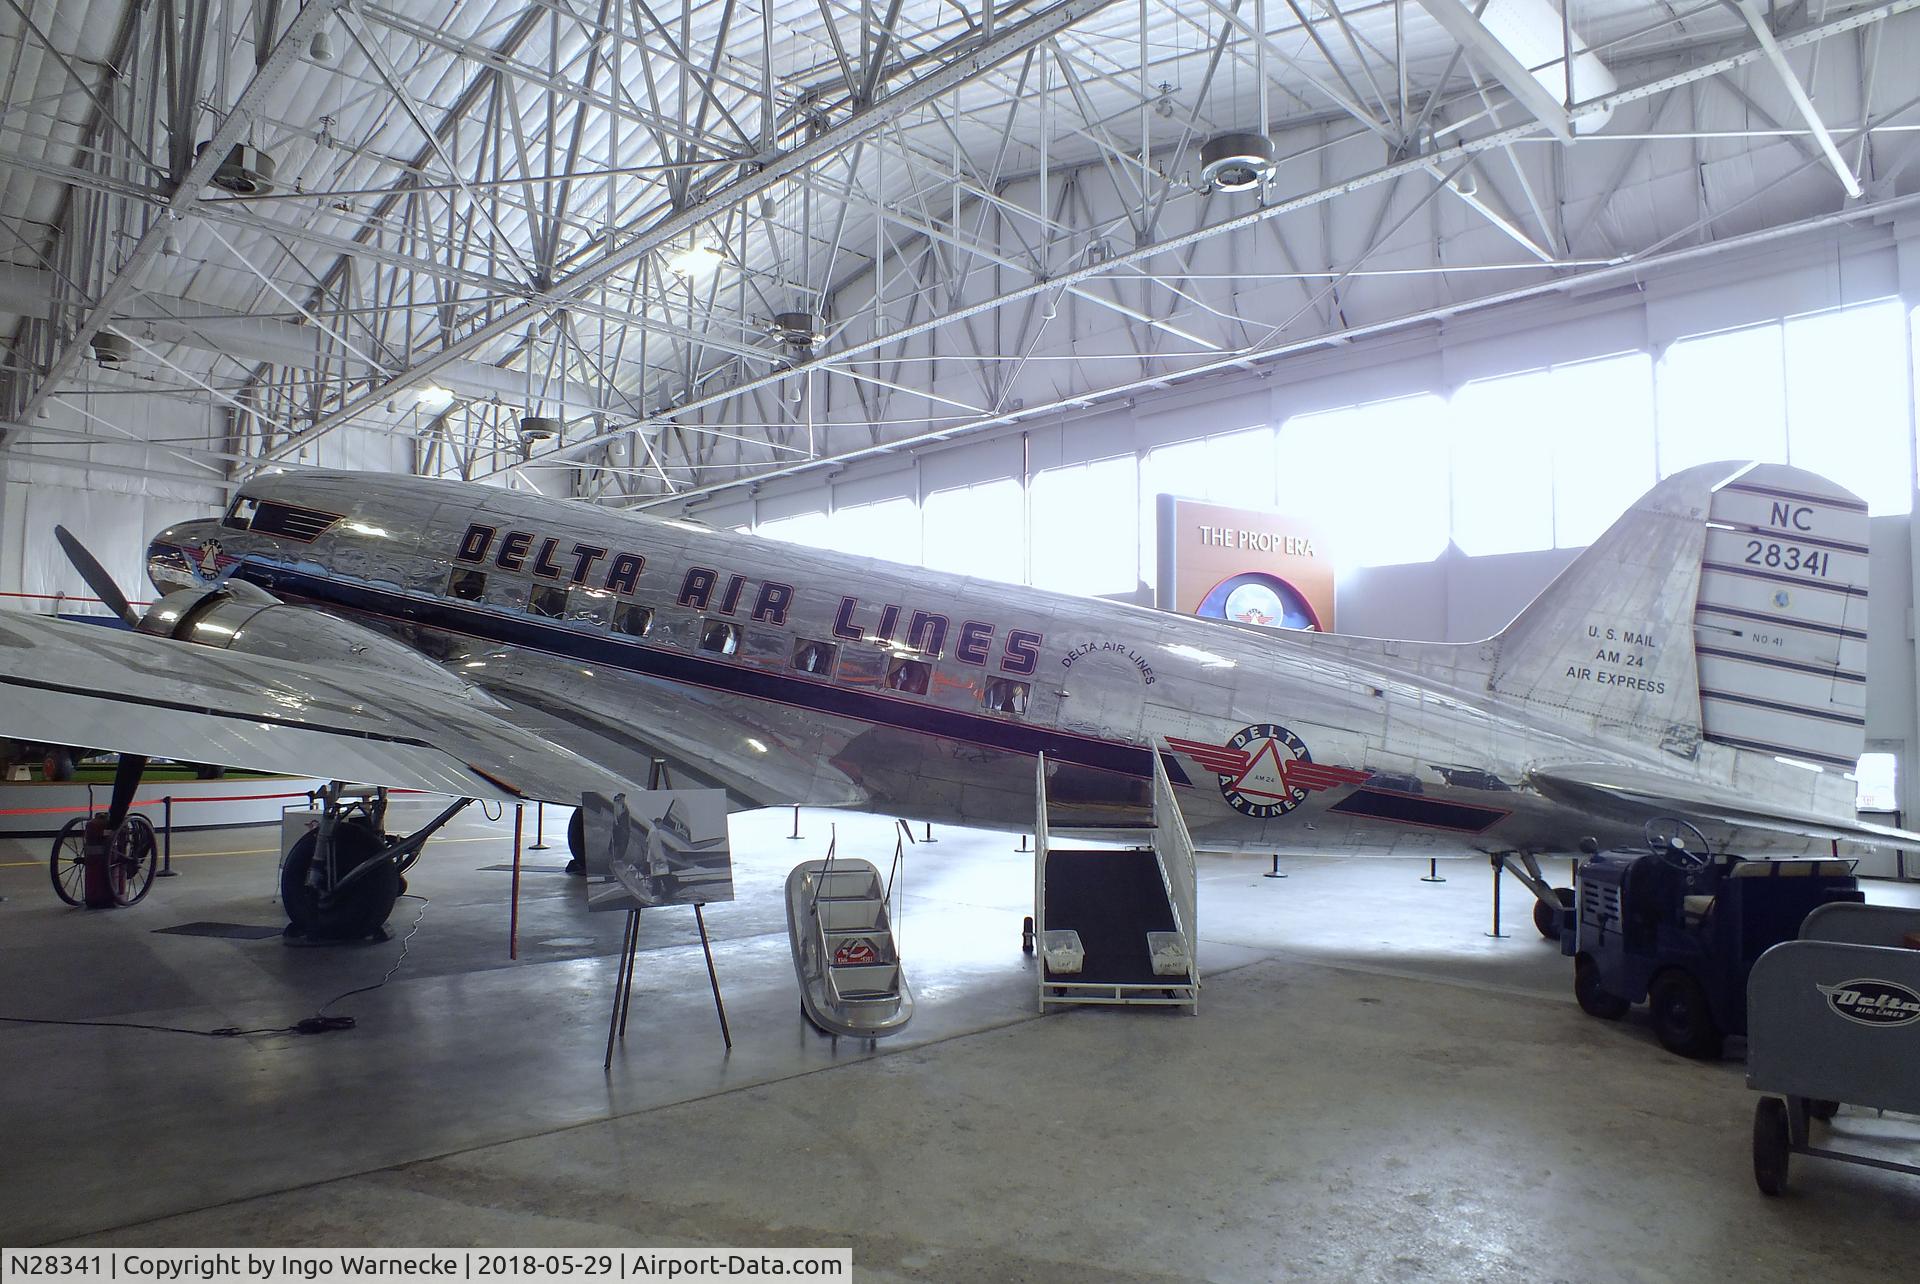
x=362 y=907
x=67 y=864
x=130 y=860
x=1548 y=918
x=577 y=841
x=58 y=764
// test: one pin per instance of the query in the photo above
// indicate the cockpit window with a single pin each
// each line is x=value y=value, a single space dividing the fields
x=240 y=513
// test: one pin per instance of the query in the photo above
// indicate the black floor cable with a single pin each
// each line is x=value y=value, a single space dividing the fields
x=318 y=1023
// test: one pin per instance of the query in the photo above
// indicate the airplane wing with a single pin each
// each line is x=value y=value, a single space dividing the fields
x=1630 y=793
x=77 y=684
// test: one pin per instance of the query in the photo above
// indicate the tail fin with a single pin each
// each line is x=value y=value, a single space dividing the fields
x=1728 y=605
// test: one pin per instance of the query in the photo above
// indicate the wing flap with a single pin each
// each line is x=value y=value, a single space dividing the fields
x=73 y=684
x=1629 y=793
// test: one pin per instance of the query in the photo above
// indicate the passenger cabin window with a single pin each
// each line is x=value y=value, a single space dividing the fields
x=814 y=657
x=719 y=637
x=911 y=676
x=1004 y=695
x=548 y=601
x=590 y=606
x=466 y=585
x=634 y=621
x=240 y=513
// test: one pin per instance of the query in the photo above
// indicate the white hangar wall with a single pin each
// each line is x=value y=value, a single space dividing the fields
x=115 y=497
x=1802 y=351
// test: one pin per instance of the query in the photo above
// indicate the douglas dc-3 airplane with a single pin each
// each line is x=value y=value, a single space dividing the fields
x=1705 y=659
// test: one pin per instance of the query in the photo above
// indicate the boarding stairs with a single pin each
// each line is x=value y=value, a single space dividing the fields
x=1114 y=908
x=845 y=952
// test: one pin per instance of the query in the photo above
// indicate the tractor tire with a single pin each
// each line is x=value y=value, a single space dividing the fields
x=1682 y=1016
x=1587 y=991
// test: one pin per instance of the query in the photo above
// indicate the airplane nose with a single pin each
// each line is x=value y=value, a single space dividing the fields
x=174 y=555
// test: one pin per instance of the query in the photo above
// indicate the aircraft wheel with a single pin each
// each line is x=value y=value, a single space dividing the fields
x=1770 y=1141
x=1547 y=919
x=1587 y=991
x=367 y=902
x=577 y=841
x=1026 y=935
x=58 y=765
x=1822 y=1109
x=1682 y=1017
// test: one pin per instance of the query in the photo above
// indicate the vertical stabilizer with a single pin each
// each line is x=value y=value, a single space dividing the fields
x=1729 y=604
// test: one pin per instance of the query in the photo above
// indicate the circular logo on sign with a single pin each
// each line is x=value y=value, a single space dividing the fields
x=1261 y=788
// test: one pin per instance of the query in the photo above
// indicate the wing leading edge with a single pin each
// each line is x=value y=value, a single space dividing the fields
x=76 y=684
x=1631 y=794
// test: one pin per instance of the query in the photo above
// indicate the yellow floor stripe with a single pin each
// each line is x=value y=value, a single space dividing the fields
x=251 y=851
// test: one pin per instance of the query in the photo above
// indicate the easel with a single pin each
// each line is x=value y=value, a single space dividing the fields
x=657 y=778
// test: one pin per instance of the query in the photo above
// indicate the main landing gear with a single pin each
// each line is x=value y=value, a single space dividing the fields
x=339 y=881
x=1552 y=906
x=577 y=842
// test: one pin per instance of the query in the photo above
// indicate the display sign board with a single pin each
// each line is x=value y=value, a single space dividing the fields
x=1242 y=564
x=657 y=847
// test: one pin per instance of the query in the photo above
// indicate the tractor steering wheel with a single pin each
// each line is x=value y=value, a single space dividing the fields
x=1666 y=838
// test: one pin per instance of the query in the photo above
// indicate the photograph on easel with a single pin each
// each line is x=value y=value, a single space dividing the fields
x=657 y=847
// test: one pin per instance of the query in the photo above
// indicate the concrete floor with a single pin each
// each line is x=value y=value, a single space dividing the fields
x=1373 y=1089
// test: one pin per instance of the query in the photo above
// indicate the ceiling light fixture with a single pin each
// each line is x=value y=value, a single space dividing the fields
x=433 y=397
x=1236 y=162
x=695 y=260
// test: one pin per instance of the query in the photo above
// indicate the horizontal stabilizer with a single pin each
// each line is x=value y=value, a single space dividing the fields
x=1632 y=794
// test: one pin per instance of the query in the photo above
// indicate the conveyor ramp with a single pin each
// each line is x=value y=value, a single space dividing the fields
x=1114 y=923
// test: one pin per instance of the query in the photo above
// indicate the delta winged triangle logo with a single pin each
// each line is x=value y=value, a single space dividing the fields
x=1265 y=770
x=1867 y=1001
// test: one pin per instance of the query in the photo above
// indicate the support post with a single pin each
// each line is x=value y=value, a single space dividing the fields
x=619 y=985
x=633 y=955
x=1433 y=871
x=713 y=977
x=166 y=837
x=1275 y=871
x=513 y=904
x=1023 y=843
x=1499 y=864
x=539 y=827
x=794 y=836
x=930 y=838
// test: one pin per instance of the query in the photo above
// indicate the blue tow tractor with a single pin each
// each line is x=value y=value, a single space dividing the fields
x=1679 y=929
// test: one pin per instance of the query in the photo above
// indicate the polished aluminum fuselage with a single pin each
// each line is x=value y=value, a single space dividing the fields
x=1445 y=761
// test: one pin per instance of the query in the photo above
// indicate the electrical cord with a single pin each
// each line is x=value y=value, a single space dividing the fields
x=318 y=1023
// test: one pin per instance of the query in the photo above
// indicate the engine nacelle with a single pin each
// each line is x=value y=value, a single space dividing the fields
x=240 y=617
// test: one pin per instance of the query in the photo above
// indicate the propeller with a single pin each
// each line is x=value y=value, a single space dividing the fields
x=96 y=576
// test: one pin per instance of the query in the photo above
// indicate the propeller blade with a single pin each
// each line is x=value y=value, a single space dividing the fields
x=96 y=577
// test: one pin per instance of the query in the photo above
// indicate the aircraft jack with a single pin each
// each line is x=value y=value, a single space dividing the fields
x=1116 y=925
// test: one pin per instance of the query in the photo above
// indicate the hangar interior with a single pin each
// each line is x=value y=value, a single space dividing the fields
x=966 y=285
